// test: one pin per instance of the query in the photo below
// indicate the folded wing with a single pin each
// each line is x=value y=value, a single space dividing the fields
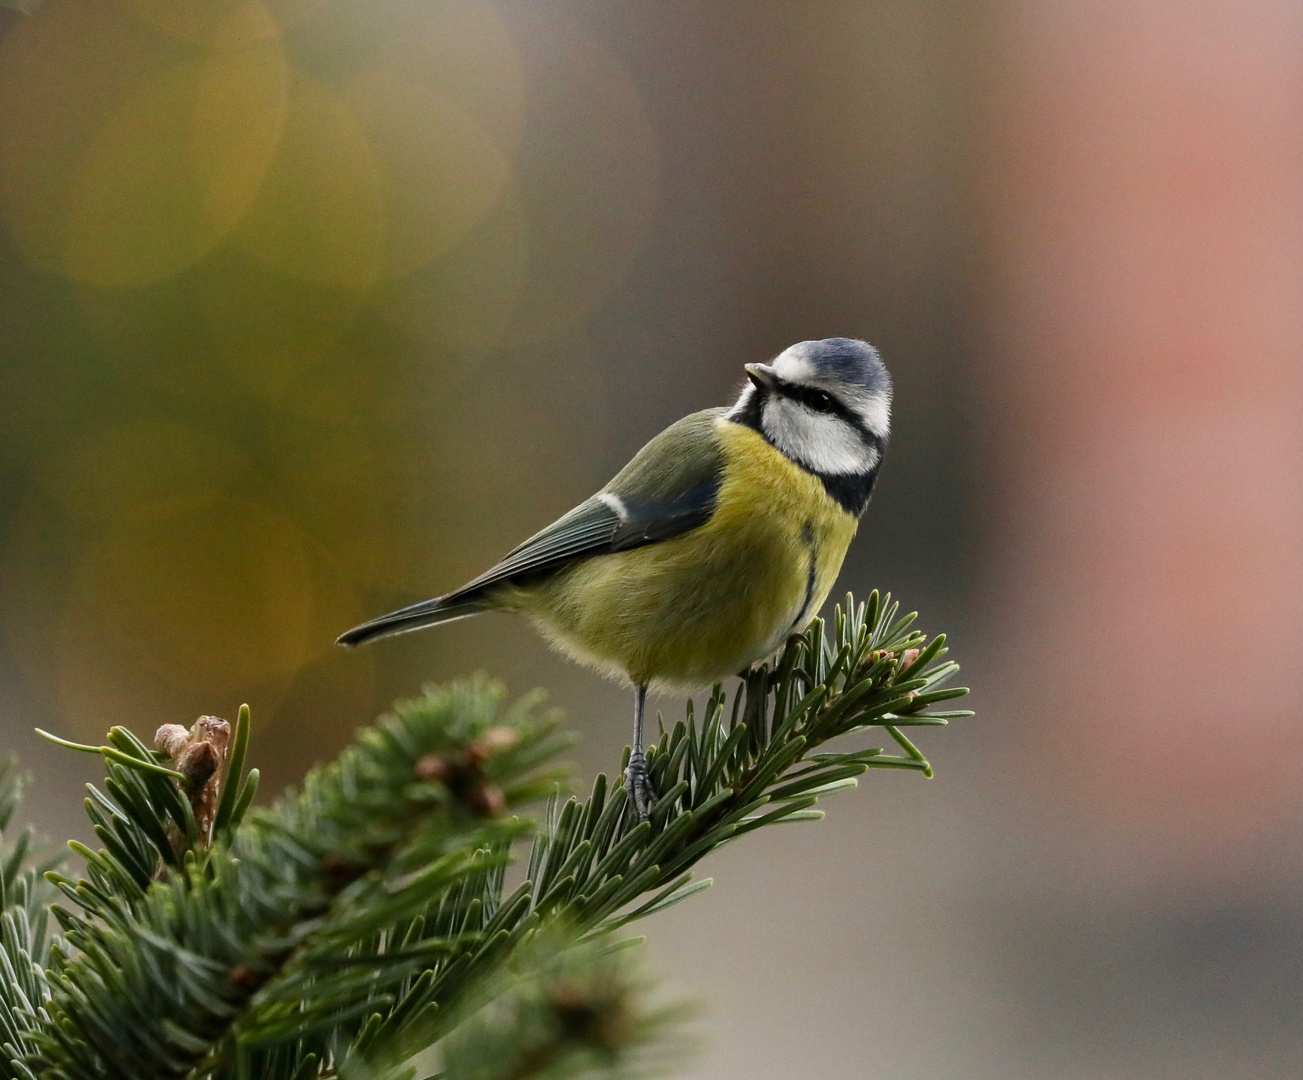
x=667 y=489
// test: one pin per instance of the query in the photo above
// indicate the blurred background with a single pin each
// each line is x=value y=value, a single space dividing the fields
x=310 y=308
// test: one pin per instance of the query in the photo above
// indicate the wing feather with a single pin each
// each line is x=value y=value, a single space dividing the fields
x=585 y=530
x=669 y=488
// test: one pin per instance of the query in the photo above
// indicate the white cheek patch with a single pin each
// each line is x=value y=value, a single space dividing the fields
x=874 y=408
x=822 y=443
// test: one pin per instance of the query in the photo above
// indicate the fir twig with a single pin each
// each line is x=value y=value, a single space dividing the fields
x=239 y=949
x=594 y=868
x=366 y=918
x=25 y=959
x=581 y=1011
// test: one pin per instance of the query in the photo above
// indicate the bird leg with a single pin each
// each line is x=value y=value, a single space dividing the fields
x=636 y=780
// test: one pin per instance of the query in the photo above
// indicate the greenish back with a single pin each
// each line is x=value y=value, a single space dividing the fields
x=684 y=458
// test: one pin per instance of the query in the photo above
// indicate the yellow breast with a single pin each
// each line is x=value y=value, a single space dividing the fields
x=689 y=611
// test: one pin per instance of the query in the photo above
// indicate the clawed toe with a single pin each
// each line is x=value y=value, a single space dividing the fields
x=638 y=783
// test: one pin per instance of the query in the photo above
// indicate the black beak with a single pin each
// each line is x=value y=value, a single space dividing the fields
x=762 y=376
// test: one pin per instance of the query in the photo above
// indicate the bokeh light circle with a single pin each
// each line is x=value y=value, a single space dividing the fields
x=320 y=212
x=439 y=170
x=175 y=167
x=220 y=23
x=125 y=157
x=175 y=609
x=63 y=70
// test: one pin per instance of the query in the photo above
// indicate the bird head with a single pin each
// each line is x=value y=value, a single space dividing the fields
x=824 y=404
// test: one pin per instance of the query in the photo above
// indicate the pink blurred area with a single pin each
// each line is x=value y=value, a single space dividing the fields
x=310 y=308
x=1143 y=201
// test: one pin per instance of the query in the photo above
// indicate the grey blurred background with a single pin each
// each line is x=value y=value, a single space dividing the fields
x=315 y=307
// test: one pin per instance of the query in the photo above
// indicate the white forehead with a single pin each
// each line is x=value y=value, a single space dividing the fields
x=793 y=364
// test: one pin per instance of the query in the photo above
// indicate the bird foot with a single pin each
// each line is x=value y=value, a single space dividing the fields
x=637 y=782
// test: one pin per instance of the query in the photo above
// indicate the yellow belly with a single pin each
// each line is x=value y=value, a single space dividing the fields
x=686 y=612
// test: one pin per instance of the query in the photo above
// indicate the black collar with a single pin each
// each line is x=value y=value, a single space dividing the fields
x=851 y=491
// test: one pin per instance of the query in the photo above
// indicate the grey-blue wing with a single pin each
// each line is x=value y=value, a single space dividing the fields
x=588 y=529
x=667 y=489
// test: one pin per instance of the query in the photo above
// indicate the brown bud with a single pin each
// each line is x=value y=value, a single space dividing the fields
x=433 y=767
x=493 y=741
x=596 y=1013
x=212 y=729
x=171 y=739
x=342 y=870
x=246 y=977
x=487 y=800
x=199 y=754
x=567 y=995
x=908 y=657
x=198 y=761
x=576 y=1011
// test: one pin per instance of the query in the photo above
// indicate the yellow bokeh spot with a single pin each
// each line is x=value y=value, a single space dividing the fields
x=175 y=167
x=463 y=52
x=175 y=612
x=320 y=213
x=63 y=70
x=220 y=23
x=440 y=171
x=139 y=466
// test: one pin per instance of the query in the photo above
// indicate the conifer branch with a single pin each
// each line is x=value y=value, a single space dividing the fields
x=24 y=943
x=595 y=868
x=228 y=954
x=365 y=919
x=582 y=1011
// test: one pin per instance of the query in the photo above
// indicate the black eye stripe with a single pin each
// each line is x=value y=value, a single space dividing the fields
x=804 y=394
x=816 y=399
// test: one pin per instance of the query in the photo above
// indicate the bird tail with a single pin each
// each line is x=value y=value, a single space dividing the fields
x=427 y=613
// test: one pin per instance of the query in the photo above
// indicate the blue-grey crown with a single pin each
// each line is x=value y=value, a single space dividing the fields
x=846 y=360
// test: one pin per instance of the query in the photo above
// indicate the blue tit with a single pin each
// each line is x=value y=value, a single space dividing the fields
x=720 y=539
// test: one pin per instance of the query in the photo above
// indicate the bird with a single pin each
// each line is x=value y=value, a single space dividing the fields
x=719 y=540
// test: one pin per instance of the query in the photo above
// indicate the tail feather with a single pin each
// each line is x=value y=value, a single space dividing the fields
x=427 y=613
